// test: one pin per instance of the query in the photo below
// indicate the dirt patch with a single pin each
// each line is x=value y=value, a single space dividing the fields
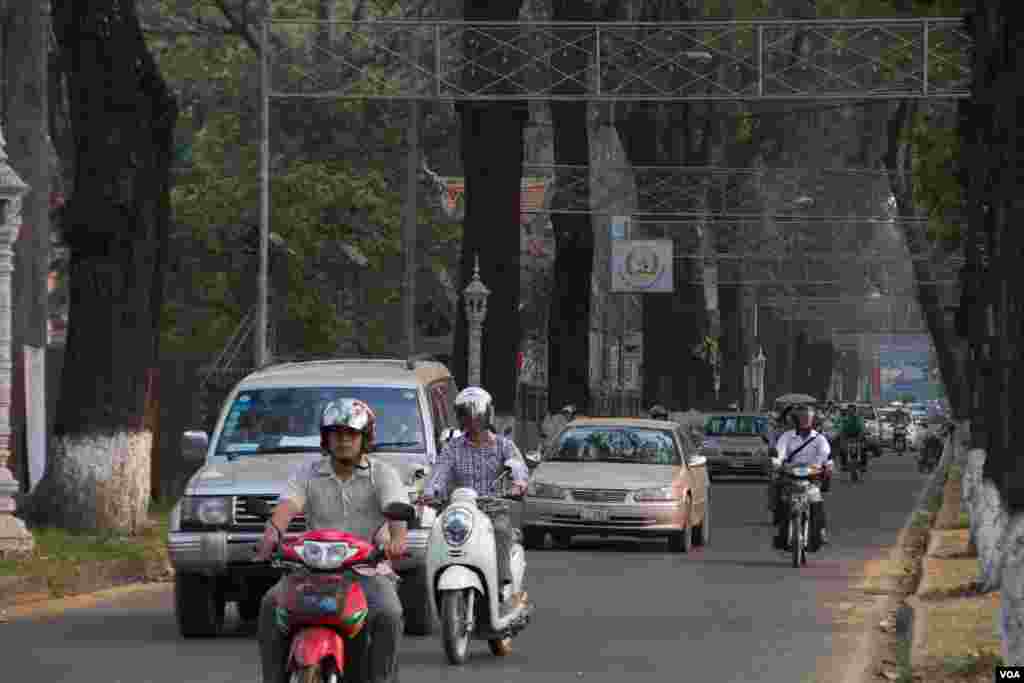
x=958 y=630
x=946 y=578
x=948 y=516
x=950 y=544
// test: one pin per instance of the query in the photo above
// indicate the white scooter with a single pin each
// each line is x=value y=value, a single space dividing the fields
x=463 y=569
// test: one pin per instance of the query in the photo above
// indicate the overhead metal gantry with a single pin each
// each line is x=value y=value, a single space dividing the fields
x=767 y=59
x=623 y=62
x=701 y=192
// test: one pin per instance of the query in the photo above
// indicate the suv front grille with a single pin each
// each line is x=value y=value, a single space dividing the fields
x=599 y=495
x=244 y=520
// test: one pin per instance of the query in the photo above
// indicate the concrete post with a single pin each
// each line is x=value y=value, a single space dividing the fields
x=475 y=295
x=15 y=539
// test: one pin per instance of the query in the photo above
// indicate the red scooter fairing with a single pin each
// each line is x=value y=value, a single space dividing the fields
x=360 y=549
x=313 y=644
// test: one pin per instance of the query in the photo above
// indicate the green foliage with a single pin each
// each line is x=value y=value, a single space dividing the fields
x=937 y=187
x=326 y=191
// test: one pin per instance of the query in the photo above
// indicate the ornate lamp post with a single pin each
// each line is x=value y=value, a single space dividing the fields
x=475 y=295
x=757 y=364
x=15 y=539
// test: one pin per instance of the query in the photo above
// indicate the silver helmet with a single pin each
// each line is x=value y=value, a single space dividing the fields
x=473 y=403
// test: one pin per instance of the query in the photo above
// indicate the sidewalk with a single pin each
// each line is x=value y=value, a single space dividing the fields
x=66 y=564
x=955 y=634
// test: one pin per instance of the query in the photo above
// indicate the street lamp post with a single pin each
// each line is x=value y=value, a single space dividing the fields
x=758 y=364
x=475 y=295
x=15 y=539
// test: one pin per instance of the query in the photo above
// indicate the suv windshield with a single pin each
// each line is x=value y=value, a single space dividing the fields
x=737 y=425
x=287 y=420
x=617 y=444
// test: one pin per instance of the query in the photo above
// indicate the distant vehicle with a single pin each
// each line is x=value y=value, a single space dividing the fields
x=737 y=443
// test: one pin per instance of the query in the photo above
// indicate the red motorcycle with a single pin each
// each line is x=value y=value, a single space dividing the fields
x=323 y=602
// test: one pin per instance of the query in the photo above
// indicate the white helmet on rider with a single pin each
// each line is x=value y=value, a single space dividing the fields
x=474 y=405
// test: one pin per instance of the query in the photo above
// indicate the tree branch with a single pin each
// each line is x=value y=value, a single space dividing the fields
x=240 y=27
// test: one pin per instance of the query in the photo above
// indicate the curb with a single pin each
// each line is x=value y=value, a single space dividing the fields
x=862 y=666
x=90 y=577
x=913 y=635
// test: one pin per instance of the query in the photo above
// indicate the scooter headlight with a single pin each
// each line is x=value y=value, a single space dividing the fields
x=325 y=556
x=457 y=526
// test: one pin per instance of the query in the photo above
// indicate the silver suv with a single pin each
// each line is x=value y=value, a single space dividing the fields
x=268 y=427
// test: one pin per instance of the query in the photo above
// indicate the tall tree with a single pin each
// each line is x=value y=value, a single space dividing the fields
x=492 y=155
x=569 y=320
x=116 y=226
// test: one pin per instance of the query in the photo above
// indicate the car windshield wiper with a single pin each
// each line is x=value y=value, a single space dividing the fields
x=234 y=455
x=396 y=444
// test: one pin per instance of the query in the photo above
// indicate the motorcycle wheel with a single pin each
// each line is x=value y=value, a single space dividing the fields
x=453 y=626
x=855 y=472
x=315 y=674
x=500 y=647
x=805 y=534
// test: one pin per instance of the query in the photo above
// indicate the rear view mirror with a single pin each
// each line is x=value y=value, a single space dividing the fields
x=194 y=444
x=400 y=512
x=532 y=459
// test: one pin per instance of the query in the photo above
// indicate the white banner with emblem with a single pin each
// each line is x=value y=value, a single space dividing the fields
x=640 y=266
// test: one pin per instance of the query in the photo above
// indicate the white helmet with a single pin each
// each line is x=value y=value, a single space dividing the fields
x=473 y=403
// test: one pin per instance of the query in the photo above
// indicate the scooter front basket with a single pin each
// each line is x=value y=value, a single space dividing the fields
x=327 y=600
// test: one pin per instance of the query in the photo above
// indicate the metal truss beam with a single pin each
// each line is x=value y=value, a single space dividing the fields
x=693 y=193
x=780 y=60
x=870 y=258
x=848 y=333
x=810 y=283
x=796 y=301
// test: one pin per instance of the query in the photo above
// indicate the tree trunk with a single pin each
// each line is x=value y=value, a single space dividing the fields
x=123 y=118
x=951 y=350
x=492 y=157
x=569 y=318
x=25 y=66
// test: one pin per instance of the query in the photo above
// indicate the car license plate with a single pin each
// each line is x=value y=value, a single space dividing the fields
x=588 y=515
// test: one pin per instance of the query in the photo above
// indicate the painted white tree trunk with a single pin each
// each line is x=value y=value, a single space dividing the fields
x=999 y=540
x=100 y=482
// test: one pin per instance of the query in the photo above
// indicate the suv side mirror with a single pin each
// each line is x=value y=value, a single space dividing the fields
x=696 y=460
x=533 y=459
x=194 y=444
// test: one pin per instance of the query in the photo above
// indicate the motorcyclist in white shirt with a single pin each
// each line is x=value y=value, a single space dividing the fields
x=801 y=446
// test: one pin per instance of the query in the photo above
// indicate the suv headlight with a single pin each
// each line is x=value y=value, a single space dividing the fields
x=539 y=490
x=657 y=495
x=208 y=510
x=457 y=526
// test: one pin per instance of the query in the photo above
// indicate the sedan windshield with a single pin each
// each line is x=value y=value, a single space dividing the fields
x=736 y=425
x=617 y=444
x=266 y=421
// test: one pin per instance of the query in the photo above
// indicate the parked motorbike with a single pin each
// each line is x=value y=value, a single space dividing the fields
x=899 y=440
x=928 y=458
x=855 y=459
x=462 y=565
x=324 y=603
x=800 y=482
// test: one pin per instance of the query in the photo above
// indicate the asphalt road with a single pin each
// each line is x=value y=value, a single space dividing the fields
x=607 y=610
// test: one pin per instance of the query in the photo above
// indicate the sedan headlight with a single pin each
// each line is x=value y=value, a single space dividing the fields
x=209 y=510
x=325 y=556
x=538 y=490
x=457 y=526
x=658 y=495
